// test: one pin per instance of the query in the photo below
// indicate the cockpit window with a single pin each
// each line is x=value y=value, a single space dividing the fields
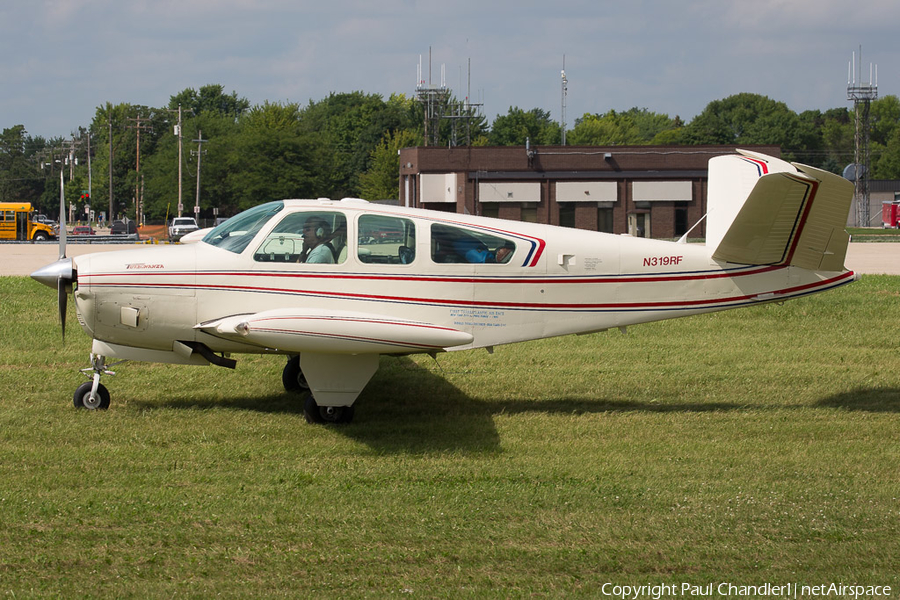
x=237 y=232
x=306 y=237
x=386 y=240
x=457 y=245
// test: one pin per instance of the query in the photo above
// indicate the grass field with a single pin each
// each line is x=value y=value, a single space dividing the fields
x=874 y=234
x=752 y=446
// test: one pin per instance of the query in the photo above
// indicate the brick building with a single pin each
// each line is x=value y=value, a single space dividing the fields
x=648 y=191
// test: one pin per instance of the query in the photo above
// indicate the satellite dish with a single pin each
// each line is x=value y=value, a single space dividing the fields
x=854 y=171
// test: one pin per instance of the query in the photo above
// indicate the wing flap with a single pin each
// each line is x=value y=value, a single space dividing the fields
x=292 y=330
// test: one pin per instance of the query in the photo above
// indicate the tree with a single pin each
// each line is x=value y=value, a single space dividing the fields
x=517 y=126
x=20 y=178
x=210 y=98
x=888 y=163
x=634 y=126
x=122 y=123
x=751 y=119
x=382 y=180
x=269 y=156
x=161 y=169
x=350 y=126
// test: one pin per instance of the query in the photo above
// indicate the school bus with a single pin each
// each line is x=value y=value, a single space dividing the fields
x=16 y=223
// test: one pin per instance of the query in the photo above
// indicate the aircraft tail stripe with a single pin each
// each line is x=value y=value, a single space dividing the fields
x=761 y=165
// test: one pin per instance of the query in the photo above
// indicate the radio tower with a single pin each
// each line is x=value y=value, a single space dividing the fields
x=434 y=99
x=861 y=95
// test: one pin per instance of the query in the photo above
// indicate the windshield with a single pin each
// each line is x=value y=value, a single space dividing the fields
x=237 y=232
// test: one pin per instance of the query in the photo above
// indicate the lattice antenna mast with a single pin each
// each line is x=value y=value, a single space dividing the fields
x=862 y=95
x=464 y=112
x=434 y=98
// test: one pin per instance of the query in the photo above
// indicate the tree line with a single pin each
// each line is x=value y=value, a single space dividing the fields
x=347 y=143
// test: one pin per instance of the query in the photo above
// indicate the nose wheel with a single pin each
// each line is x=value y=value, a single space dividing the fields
x=87 y=397
x=92 y=394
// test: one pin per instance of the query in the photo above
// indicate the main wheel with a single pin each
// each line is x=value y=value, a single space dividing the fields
x=41 y=236
x=82 y=397
x=292 y=377
x=326 y=414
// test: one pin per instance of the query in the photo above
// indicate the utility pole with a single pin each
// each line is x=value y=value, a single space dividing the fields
x=138 y=187
x=68 y=148
x=199 y=152
x=112 y=208
x=90 y=175
x=180 y=205
x=565 y=92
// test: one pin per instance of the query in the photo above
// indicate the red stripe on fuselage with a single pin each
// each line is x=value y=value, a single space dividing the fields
x=497 y=304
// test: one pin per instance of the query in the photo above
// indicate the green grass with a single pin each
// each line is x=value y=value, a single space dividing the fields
x=874 y=234
x=751 y=446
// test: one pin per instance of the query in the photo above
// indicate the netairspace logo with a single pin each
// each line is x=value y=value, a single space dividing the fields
x=725 y=589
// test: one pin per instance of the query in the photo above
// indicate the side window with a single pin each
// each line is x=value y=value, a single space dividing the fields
x=386 y=240
x=457 y=245
x=306 y=237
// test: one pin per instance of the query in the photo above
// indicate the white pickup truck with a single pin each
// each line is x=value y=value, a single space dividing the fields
x=181 y=226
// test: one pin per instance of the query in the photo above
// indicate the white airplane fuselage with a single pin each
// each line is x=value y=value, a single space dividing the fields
x=335 y=284
x=558 y=282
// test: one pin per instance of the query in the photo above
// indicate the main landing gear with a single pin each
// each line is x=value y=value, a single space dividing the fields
x=294 y=381
x=92 y=394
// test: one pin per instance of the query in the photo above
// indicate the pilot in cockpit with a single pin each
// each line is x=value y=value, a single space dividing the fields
x=316 y=235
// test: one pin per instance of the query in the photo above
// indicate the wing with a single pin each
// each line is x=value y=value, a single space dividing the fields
x=297 y=331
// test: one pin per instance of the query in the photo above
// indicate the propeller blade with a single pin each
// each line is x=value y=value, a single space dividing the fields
x=62 y=217
x=62 y=298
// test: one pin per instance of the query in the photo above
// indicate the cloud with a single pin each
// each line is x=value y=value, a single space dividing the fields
x=73 y=55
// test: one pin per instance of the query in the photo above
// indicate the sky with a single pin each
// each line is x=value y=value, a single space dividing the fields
x=64 y=58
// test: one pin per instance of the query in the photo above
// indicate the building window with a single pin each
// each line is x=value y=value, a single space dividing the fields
x=529 y=213
x=567 y=215
x=639 y=224
x=681 y=220
x=605 y=220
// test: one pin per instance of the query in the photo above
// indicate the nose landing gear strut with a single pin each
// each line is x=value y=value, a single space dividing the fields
x=92 y=394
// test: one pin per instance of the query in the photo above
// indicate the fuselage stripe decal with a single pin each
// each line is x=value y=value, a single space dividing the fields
x=449 y=302
x=600 y=279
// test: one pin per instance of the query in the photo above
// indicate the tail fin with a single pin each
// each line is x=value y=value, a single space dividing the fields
x=765 y=211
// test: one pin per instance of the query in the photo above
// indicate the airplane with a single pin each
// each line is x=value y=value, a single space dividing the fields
x=332 y=285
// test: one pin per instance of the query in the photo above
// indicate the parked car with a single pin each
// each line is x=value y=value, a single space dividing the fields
x=83 y=230
x=126 y=227
x=181 y=226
